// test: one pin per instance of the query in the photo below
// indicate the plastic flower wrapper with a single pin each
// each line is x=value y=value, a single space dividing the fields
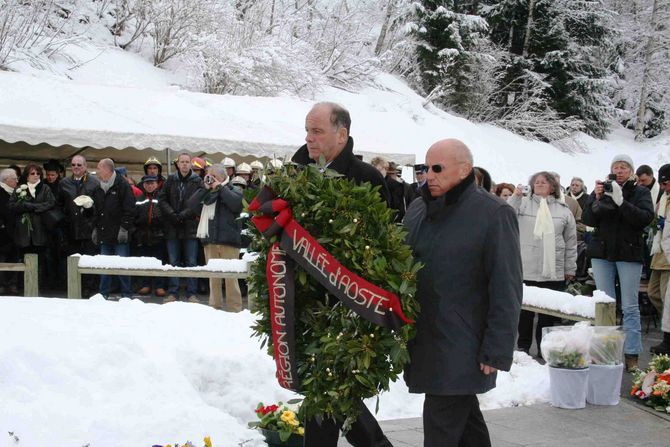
x=83 y=200
x=607 y=345
x=567 y=346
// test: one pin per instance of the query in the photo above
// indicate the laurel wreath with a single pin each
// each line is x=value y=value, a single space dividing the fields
x=342 y=358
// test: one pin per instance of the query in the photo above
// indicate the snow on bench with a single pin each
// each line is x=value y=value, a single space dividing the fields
x=598 y=308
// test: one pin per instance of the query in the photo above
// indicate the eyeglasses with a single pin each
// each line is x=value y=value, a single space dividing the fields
x=437 y=168
x=76 y=164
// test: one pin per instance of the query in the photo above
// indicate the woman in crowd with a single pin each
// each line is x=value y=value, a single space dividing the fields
x=619 y=210
x=504 y=190
x=548 y=238
x=577 y=191
x=31 y=199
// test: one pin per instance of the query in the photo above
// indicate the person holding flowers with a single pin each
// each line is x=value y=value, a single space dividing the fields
x=29 y=201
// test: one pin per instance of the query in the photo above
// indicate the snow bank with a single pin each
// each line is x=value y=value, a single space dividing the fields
x=141 y=262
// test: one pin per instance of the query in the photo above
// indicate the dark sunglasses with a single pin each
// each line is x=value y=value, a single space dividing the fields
x=435 y=168
x=76 y=164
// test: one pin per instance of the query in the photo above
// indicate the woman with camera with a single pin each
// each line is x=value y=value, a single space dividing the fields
x=548 y=237
x=219 y=204
x=619 y=211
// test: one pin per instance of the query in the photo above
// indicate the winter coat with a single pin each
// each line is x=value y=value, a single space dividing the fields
x=581 y=198
x=114 y=210
x=44 y=200
x=224 y=228
x=532 y=250
x=149 y=225
x=78 y=220
x=469 y=289
x=618 y=229
x=349 y=166
x=6 y=223
x=181 y=222
x=401 y=196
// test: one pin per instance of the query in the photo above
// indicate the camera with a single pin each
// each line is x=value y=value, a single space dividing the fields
x=526 y=190
x=607 y=184
x=209 y=180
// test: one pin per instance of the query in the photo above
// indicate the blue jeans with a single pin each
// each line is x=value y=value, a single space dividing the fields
x=106 y=280
x=629 y=278
x=183 y=253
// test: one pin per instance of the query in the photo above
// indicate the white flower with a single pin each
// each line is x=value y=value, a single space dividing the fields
x=23 y=187
x=355 y=220
x=367 y=247
x=330 y=220
x=372 y=335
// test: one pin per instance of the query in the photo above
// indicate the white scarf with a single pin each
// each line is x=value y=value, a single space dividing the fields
x=206 y=215
x=576 y=197
x=544 y=229
x=656 y=243
x=7 y=188
x=31 y=188
x=108 y=184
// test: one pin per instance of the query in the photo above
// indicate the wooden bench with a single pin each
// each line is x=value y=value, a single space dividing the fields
x=599 y=310
x=29 y=269
x=150 y=268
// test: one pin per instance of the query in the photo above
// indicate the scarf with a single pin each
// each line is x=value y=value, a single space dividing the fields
x=8 y=189
x=207 y=214
x=108 y=184
x=544 y=229
x=576 y=197
x=32 y=187
x=656 y=243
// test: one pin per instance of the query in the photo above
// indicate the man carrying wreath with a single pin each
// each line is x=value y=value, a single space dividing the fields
x=327 y=126
x=470 y=292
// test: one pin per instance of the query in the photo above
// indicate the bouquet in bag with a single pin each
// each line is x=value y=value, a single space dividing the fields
x=607 y=345
x=567 y=346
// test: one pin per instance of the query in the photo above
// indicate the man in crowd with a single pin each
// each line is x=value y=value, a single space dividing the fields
x=74 y=198
x=645 y=177
x=181 y=224
x=54 y=262
x=8 y=251
x=401 y=193
x=114 y=205
x=154 y=168
x=327 y=126
x=149 y=237
x=660 y=266
x=420 y=171
x=470 y=292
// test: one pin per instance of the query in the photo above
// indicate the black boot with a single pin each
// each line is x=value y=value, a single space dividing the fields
x=663 y=347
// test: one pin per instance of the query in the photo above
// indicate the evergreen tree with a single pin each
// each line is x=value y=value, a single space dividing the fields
x=448 y=51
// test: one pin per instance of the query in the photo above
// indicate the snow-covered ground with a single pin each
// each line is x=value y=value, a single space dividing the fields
x=78 y=372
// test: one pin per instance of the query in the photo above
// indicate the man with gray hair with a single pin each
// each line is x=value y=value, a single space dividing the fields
x=470 y=293
x=114 y=206
x=8 y=253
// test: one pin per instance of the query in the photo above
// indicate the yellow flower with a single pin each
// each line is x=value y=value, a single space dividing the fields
x=301 y=431
x=294 y=422
x=208 y=441
x=288 y=416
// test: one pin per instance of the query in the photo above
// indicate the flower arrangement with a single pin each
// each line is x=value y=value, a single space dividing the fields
x=607 y=345
x=206 y=440
x=567 y=346
x=279 y=418
x=653 y=385
x=341 y=358
x=22 y=196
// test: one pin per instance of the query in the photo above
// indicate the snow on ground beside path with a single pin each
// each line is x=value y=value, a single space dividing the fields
x=127 y=373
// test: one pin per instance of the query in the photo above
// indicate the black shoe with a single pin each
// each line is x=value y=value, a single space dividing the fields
x=663 y=347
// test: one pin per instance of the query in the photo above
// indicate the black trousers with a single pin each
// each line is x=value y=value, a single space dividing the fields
x=454 y=421
x=526 y=318
x=364 y=432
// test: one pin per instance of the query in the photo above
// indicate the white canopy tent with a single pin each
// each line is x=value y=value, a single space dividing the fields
x=42 y=118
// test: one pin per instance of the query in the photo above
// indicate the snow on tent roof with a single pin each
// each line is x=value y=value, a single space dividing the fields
x=39 y=110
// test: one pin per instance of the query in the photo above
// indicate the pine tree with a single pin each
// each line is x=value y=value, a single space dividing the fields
x=448 y=51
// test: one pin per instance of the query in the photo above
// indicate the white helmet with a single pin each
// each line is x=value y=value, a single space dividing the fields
x=228 y=162
x=243 y=168
x=276 y=164
x=256 y=165
x=239 y=181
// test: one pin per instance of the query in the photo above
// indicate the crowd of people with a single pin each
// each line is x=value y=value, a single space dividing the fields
x=478 y=241
x=47 y=211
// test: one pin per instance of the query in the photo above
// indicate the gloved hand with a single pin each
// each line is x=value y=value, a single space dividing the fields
x=660 y=224
x=616 y=194
x=122 y=238
x=83 y=201
x=94 y=236
x=173 y=218
x=184 y=215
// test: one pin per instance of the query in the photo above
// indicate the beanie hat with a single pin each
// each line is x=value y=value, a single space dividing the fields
x=664 y=173
x=624 y=158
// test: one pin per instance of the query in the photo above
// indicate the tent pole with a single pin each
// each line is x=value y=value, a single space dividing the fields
x=167 y=160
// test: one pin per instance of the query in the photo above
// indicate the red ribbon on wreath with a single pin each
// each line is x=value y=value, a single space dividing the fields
x=297 y=245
